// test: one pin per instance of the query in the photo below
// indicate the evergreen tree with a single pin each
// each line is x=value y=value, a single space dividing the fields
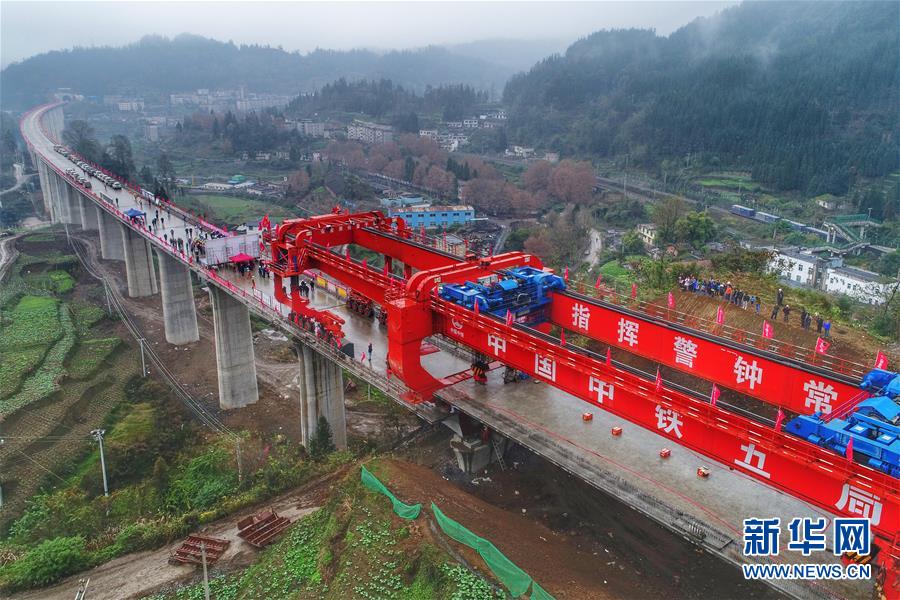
x=322 y=442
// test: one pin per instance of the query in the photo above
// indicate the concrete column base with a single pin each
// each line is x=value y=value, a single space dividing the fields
x=179 y=313
x=473 y=455
x=138 y=265
x=111 y=246
x=234 y=351
x=321 y=394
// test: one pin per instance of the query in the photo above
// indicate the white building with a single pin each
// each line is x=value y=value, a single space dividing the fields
x=130 y=105
x=470 y=123
x=647 y=233
x=370 y=133
x=796 y=266
x=859 y=284
x=429 y=133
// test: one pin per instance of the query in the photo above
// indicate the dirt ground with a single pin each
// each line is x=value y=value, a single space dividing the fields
x=572 y=539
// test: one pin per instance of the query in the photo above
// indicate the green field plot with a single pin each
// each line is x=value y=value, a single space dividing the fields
x=86 y=316
x=33 y=322
x=15 y=365
x=89 y=355
x=234 y=210
x=727 y=181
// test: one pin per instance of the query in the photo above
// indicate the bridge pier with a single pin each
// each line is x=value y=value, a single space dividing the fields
x=138 y=265
x=67 y=201
x=86 y=212
x=179 y=313
x=111 y=247
x=45 y=189
x=234 y=351
x=321 y=395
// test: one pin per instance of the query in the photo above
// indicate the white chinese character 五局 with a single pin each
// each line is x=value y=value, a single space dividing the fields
x=581 y=316
x=628 y=332
x=545 y=367
x=668 y=420
x=819 y=396
x=603 y=389
x=860 y=502
x=754 y=460
x=497 y=343
x=747 y=371
x=685 y=351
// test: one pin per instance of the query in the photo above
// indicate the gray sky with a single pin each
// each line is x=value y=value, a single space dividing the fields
x=32 y=27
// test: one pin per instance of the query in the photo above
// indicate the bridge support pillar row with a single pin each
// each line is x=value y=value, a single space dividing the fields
x=111 y=247
x=87 y=213
x=179 y=313
x=235 y=359
x=138 y=265
x=321 y=395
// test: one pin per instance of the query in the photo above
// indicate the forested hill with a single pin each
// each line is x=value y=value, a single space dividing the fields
x=803 y=94
x=157 y=65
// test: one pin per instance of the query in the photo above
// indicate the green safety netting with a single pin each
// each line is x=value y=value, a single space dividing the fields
x=404 y=511
x=539 y=593
x=514 y=578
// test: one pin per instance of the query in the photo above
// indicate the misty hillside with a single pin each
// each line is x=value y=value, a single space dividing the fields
x=161 y=66
x=804 y=94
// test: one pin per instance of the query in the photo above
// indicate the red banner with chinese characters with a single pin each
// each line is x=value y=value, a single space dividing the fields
x=780 y=460
x=747 y=371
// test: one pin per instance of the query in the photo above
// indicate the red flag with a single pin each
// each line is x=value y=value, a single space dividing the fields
x=347 y=252
x=566 y=273
x=821 y=345
x=714 y=397
x=562 y=337
x=365 y=264
x=608 y=356
x=671 y=300
x=385 y=273
x=509 y=317
x=658 y=380
x=477 y=310
x=768 y=330
x=778 y=420
x=720 y=316
x=599 y=279
x=362 y=358
x=850 y=449
x=633 y=291
x=881 y=361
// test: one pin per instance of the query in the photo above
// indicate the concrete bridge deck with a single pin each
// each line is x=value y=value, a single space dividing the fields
x=709 y=512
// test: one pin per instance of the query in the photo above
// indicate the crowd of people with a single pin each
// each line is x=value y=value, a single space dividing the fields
x=723 y=289
x=752 y=301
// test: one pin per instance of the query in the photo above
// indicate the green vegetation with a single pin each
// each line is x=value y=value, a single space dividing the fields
x=354 y=547
x=233 y=210
x=705 y=99
x=44 y=381
x=89 y=355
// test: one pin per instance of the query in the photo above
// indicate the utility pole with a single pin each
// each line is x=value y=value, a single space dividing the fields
x=143 y=363
x=205 y=576
x=108 y=303
x=625 y=179
x=98 y=435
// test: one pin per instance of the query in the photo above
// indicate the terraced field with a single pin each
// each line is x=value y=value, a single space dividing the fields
x=60 y=372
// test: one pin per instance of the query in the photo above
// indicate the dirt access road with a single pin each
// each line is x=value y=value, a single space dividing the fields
x=142 y=573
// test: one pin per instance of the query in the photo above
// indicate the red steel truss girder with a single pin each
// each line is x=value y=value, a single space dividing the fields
x=803 y=470
x=373 y=231
x=803 y=389
x=411 y=319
